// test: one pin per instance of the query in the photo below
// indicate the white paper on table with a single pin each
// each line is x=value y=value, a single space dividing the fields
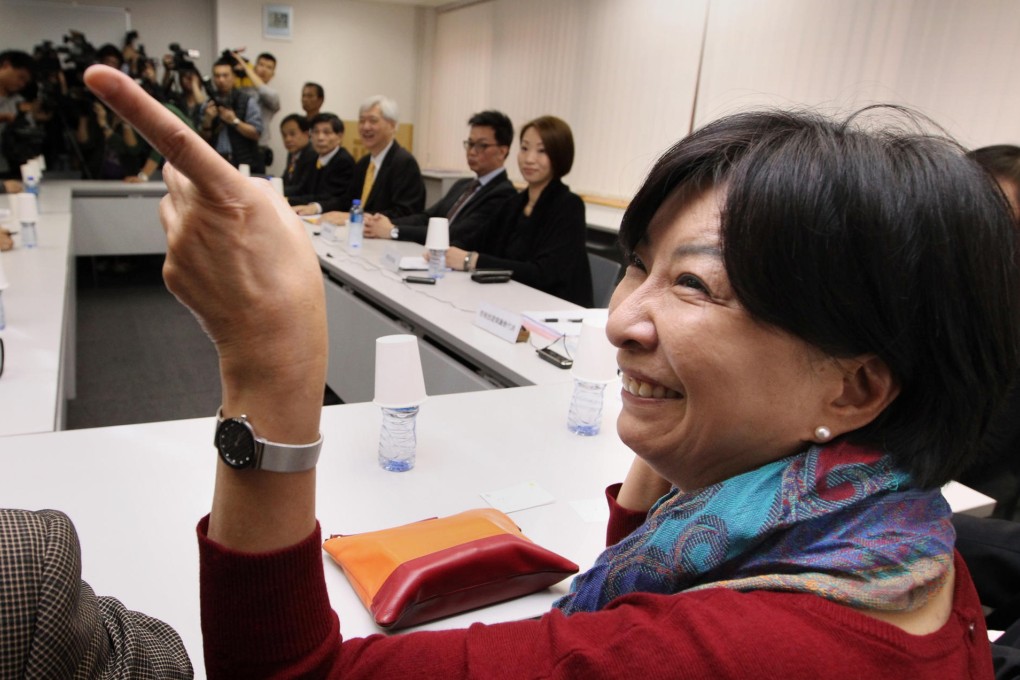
x=518 y=497
x=413 y=263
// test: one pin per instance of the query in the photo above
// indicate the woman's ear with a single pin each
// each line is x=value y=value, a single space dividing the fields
x=868 y=387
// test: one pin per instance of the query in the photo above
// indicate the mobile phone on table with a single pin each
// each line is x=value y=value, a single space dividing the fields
x=491 y=275
x=428 y=281
x=555 y=358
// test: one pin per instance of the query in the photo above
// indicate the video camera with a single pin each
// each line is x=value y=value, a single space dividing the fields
x=182 y=58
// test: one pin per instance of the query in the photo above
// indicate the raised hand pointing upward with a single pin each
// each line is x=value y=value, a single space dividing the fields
x=240 y=259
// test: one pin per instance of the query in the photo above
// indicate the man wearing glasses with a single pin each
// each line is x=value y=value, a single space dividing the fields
x=471 y=203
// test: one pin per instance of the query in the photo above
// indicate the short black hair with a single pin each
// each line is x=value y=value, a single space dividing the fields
x=225 y=61
x=318 y=89
x=886 y=241
x=267 y=56
x=331 y=118
x=302 y=121
x=109 y=50
x=18 y=59
x=1002 y=161
x=499 y=122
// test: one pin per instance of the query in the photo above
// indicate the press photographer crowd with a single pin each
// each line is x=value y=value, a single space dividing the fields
x=46 y=110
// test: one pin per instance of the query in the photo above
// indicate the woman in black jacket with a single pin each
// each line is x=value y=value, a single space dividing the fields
x=540 y=233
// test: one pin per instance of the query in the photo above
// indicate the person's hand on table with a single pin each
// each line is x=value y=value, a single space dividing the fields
x=305 y=210
x=13 y=186
x=454 y=258
x=240 y=259
x=6 y=242
x=377 y=225
x=336 y=217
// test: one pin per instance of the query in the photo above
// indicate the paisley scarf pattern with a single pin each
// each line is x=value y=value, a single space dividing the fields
x=838 y=521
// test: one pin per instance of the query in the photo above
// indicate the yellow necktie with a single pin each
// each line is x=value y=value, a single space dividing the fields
x=369 y=180
x=318 y=164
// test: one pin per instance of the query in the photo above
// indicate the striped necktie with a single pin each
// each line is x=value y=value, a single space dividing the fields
x=369 y=181
x=468 y=192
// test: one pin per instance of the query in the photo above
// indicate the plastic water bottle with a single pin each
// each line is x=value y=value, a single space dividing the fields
x=28 y=235
x=32 y=185
x=397 y=439
x=328 y=231
x=355 y=228
x=585 y=414
x=437 y=263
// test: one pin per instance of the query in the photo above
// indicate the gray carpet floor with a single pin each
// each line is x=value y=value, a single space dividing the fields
x=141 y=355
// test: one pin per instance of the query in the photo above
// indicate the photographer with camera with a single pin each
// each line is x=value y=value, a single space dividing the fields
x=112 y=148
x=186 y=91
x=269 y=99
x=231 y=121
x=16 y=70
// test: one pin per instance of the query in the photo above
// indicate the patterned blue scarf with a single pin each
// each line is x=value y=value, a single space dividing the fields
x=838 y=521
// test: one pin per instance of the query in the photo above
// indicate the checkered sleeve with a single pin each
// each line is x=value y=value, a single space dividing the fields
x=52 y=624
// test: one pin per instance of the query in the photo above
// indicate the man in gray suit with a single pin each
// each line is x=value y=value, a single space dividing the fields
x=471 y=203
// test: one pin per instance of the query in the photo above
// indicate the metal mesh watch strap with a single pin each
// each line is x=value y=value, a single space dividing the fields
x=276 y=457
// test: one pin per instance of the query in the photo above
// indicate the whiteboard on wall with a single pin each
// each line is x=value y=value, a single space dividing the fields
x=27 y=23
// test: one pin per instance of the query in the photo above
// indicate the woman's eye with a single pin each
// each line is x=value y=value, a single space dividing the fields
x=636 y=262
x=691 y=281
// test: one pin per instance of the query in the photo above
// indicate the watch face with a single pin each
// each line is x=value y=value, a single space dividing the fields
x=236 y=443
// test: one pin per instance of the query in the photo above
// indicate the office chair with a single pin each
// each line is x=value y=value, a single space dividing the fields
x=604 y=275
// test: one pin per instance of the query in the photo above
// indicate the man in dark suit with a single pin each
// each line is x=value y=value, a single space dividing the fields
x=300 y=161
x=387 y=179
x=329 y=180
x=471 y=203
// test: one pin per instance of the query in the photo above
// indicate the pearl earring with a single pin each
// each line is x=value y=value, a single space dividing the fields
x=823 y=433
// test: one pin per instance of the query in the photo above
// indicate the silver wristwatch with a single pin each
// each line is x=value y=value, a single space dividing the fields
x=395 y=233
x=242 y=449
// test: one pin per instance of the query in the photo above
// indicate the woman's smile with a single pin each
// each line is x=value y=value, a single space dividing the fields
x=640 y=388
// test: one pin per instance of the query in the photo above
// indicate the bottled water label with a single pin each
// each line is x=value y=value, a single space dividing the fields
x=28 y=236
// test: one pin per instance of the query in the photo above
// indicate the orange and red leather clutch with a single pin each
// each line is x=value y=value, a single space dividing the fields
x=437 y=567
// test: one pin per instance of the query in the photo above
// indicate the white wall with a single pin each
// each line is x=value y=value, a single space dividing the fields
x=630 y=76
x=353 y=49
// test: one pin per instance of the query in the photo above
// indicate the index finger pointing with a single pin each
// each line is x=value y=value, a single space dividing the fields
x=188 y=152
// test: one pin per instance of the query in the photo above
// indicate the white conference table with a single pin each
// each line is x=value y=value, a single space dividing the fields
x=366 y=299
x=136 y=492
x=39 y=347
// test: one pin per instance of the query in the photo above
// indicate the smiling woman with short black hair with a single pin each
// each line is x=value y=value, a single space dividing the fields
x=815 y=324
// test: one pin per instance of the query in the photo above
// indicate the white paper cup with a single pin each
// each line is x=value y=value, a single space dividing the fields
x=4 y=283
x=28 y=207
x=277 y=184
x=595 y=359
x=438 y=237
x=244 y=169
x=398 y=378
x=29 y=169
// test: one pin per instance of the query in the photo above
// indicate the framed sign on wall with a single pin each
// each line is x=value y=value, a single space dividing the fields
x=278 y=21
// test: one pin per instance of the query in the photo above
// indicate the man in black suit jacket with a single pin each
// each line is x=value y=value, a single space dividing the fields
x=330 y=178
x=387 y=179
x=471 y=203
x=300 y=160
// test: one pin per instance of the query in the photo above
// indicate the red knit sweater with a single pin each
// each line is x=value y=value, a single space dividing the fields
x=268 y=615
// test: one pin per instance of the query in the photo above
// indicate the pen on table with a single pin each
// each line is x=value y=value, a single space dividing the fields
x=562 y=320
